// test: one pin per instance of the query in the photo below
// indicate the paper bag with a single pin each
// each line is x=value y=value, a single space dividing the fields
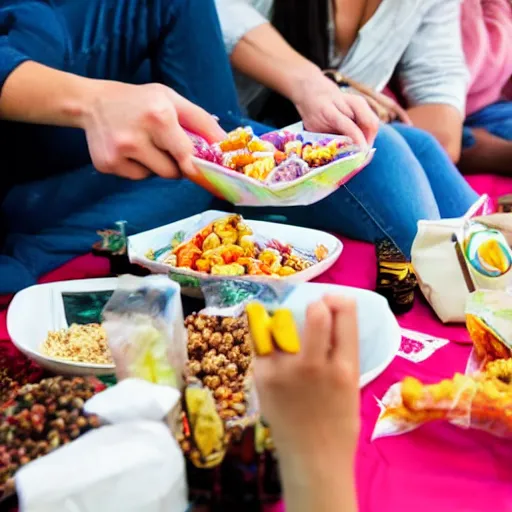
x=442 y=270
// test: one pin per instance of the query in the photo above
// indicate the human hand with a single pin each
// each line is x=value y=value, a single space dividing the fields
x=387 y=109
x=325 y=108
x=136 y=130
x=311 y=399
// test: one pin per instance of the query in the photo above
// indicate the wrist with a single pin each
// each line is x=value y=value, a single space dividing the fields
x=77 y=106
x=323 y=484
x=302 y=80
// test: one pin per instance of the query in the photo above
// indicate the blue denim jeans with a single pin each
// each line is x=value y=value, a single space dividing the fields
x=496 y=119
x=54 y=217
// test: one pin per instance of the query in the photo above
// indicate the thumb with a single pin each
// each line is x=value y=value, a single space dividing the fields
x=197 y=120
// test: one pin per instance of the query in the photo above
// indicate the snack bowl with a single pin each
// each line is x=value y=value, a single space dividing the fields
x=159 y=241
x=379 y=332
x=319 y=182
x=39 y=309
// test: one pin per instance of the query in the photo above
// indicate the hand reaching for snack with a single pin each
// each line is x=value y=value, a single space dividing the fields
x=325 y=108
x=309 y=394
x=136 y=130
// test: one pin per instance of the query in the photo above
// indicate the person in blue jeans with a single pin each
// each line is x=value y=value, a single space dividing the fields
x=70 y=107
x=487 y=140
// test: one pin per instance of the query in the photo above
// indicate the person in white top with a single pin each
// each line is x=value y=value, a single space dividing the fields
x=279 y=51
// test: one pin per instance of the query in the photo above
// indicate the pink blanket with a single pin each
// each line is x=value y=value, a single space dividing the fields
x=437 y=468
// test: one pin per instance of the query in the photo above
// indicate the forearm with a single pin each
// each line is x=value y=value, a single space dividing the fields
x=37 y=94
x=266 y=57
x=323 y=484
x=444 y=122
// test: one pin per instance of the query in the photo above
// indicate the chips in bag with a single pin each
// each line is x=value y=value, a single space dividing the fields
x=144 y=324
x=482 y=398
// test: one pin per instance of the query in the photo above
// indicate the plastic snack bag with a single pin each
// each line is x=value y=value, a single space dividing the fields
x=489 y=322
x=144 y=324
x=482 y=401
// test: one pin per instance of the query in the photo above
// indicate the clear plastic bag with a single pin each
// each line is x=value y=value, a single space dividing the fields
x=482 y=401
x=228 y=297
x=482 y=398
x=144 y=324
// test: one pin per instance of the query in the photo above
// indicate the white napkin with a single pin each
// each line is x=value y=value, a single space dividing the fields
x=134 y=465
x=133 y=399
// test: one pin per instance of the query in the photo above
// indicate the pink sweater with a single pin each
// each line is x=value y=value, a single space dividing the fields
x=487 y=39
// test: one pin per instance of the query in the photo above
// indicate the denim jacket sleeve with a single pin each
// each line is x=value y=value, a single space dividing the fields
x=10 y=57
x=238 y=17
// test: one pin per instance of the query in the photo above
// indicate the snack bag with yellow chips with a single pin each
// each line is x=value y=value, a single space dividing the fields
x=482 y=398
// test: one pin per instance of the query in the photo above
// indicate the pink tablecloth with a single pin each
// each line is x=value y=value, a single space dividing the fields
x=437 y=468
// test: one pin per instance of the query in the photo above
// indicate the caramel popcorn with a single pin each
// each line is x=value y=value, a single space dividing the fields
x=220 y=356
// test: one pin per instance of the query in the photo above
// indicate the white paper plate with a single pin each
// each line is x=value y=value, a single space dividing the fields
x=379 y=333
x=190 y=280
x=39 y=309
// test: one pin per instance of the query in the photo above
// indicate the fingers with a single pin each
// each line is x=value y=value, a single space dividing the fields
x=317 y=334
x=197 y=120
x=342 y=124
x=131 y=170
x=169 y=136
x=158 y=161
x=365 y=118
x=402 y=114
x=397 y=110
x=345 y=338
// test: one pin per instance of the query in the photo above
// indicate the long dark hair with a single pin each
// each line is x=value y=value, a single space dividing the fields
x=304 y=25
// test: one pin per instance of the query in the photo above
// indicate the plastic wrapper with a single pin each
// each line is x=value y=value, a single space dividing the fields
x=237 y=169
x=482 y=398
x=489 y=322
x=144 y=324
x=488 y=256
x=230 y=297
x=220 y=403
x=481 y=401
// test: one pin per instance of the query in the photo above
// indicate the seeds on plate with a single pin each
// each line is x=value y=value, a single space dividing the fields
x=79 y=343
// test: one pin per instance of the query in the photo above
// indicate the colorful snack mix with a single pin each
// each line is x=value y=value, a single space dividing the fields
x=257 y=158
x=227 y=247
x=289 y=170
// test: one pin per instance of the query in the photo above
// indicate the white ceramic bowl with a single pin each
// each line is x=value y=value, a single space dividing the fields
x=39 y=309
x=190 y=280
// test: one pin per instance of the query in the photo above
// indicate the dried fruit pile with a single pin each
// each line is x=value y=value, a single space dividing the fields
x=39 y=418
